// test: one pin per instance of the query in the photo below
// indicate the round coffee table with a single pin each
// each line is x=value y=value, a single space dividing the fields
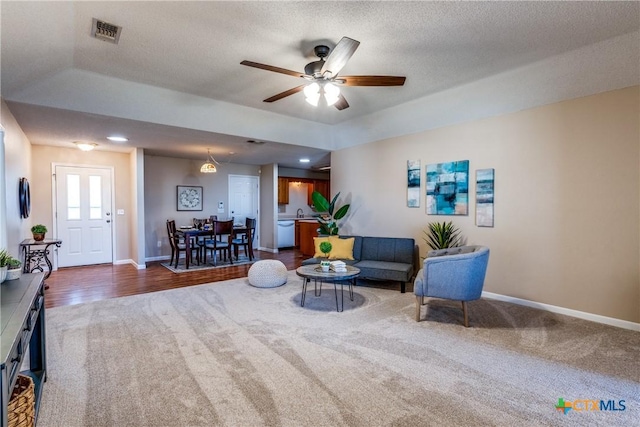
x=314 y=271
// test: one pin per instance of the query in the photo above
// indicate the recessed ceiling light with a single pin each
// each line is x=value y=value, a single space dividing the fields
x=304 y=160
x=117 y=138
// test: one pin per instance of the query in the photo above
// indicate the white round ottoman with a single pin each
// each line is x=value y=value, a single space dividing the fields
x=267 y=273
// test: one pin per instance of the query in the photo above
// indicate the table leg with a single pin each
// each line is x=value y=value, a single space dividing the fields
x=317 y=291
x=304 y=290
x=187 y=252
x=335 y=289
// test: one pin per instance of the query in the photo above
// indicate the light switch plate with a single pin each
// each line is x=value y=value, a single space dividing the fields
x=120 y=211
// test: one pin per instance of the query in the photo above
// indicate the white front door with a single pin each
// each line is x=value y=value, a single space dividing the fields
x=84 y=216
x=244 y=201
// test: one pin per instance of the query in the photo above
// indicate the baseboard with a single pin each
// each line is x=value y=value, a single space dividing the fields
x=158 y=258
x=272 y=250
x=130 y=261
x=625 y=324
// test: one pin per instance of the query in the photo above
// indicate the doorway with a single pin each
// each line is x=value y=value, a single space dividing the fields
x=244 y=201
x=83 y=214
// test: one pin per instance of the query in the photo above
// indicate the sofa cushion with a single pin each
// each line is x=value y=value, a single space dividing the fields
x=316 y=244
x=388 y=249
x=357 y=246
x=341 y=248
x=385 y=270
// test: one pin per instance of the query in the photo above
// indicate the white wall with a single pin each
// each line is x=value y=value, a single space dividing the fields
x=567 y=198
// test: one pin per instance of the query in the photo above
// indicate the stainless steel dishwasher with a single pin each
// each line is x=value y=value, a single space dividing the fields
x=286 y=233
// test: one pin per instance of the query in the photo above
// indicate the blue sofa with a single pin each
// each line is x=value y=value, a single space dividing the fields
x=382 y=258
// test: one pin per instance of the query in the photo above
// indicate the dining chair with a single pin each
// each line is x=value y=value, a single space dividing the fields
x=245 y=239
x=178 y=246
x=222 y=234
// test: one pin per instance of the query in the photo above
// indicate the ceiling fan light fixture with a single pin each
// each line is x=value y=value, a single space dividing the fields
x=312 y=93
x=209 y=166
x=331 y=93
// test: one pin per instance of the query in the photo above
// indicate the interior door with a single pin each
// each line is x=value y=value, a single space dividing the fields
x=84 y=217
x=244 y=201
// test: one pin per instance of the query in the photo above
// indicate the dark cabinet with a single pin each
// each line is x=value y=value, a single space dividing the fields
x=22 y=336
x=283 y=191
x=319 y=185
x=308 y=230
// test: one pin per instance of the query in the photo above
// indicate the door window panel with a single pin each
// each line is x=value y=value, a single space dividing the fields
x=73 y=196
x=95 y=197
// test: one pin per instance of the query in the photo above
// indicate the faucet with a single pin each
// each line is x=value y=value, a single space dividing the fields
x=299 y=213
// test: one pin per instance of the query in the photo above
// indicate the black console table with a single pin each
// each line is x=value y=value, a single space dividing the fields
x=36 y=251
x=22 y=320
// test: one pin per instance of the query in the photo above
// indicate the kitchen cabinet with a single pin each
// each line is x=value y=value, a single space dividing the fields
x=307 y=231
x=319 y=185
x=283 y=191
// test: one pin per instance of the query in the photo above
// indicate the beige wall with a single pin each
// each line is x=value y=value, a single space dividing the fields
x=567 y=198
x=161 y=177
x=41 y=188
x=16 y=164
x=269 y=207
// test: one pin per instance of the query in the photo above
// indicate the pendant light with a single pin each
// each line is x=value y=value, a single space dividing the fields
x=209 y=166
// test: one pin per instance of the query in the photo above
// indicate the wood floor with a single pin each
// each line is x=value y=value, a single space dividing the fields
x=75 y=285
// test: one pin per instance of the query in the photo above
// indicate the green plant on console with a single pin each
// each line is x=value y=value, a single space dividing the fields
x=13 y=263
x=328 y=226
x=442 y=235
x=39 y=229
x=4 y=258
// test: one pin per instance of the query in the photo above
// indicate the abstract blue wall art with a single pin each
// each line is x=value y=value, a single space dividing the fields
x=413 y=183
x=484 y=197
x=448 y=188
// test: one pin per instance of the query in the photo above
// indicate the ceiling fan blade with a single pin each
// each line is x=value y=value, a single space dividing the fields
x=339 y=56
x=342 y=103
x=371 y=80
x=285 y=94
x=272 y=68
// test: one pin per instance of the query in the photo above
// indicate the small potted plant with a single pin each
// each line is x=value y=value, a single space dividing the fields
x=325 y=248
x=4 y=259
x=38 y=231
x=13 y=268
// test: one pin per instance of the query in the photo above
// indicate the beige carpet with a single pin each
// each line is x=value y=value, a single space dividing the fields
x=234 y=355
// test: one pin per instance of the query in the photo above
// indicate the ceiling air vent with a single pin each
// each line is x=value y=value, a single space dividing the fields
x=253 y=141
x=105 y=31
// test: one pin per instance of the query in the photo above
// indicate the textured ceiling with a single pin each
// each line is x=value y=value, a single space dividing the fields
x=195 y=49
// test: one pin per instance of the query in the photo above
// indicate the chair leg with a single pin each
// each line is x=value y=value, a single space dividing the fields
x=419 y=301
x=464 y=312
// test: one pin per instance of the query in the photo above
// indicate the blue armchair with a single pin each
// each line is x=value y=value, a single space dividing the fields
x=453 y=273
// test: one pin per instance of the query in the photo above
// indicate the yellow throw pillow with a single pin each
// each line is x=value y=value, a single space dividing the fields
x=341 y=248
x=316 y=243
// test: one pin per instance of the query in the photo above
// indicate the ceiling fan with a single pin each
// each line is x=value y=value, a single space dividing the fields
x=323 y=75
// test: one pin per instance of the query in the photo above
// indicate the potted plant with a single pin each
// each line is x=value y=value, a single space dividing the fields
x=325 y=248
x=441 y=235
x=328 y=225
x=13 y=268
x=4 y=259
x=38 y=231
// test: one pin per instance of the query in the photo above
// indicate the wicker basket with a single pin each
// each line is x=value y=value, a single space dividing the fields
x=21 y=408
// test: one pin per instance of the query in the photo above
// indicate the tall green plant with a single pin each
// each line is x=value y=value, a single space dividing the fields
x=328 y=226
x=4 y=258
x=441 y=235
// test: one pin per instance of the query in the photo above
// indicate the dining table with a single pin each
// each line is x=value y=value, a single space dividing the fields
x=191 y=232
